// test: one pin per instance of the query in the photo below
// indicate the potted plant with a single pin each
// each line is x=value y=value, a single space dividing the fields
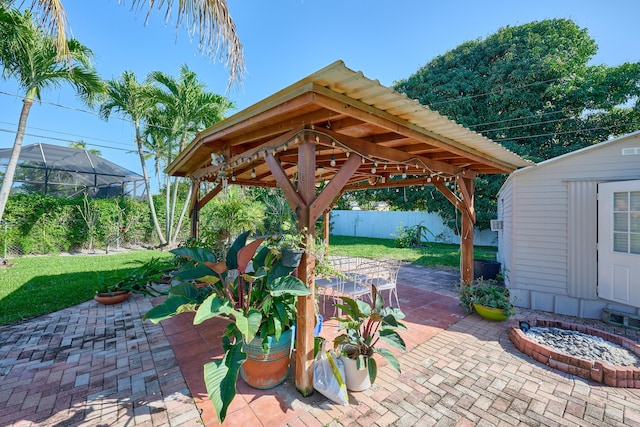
x=489 y=300
x=139 y=280
x=364 y=325
x=259 y=302
x=290 y=247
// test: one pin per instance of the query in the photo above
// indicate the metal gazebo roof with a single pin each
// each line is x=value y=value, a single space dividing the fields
x=66 y=171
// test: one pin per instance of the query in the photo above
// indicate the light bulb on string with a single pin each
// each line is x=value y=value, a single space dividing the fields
x=253 y=173
x=333 y=160
x=404 y=173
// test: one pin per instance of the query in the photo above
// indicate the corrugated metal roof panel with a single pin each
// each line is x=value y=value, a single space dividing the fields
x=355 y=85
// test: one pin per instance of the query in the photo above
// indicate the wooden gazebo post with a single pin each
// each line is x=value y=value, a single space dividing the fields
x=468 y=222
x=308 y=207
x=306 y=304
x=464 y=203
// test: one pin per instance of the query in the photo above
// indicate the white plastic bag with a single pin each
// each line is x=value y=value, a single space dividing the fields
x=328 y=376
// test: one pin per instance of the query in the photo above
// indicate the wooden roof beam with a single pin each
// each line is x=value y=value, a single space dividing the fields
x=321 y=115
x=359 y=110
x=296 y=99
x=390 y=154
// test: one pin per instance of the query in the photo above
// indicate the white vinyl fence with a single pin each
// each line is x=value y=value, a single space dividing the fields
x=384 y=224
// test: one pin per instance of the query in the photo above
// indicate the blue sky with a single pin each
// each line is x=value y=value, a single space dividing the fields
x=286 y=40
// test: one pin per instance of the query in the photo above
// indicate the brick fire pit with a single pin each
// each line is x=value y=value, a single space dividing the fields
x=615 y=376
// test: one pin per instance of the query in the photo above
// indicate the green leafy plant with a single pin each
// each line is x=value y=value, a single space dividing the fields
x=488 y=294
x=252 y=289
x=364 y=325
x=411 y=236
x=141 y=279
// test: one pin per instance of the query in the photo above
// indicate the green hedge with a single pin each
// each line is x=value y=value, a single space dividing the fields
x=38 y=224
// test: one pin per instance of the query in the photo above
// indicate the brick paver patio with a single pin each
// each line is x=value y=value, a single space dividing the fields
x=93 y=365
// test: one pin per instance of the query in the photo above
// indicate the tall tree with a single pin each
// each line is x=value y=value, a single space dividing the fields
x=29 y=56
x=134 y=101
x=208 y=20
x=531 y=89
x=186 y=108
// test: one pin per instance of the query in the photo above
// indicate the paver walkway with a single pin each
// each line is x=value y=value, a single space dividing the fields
x=92 y=365
x=99 y=365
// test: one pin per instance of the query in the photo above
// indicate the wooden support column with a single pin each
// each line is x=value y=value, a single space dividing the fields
x=465 y=206
x=308 y=207
x=306 y=304
x=466 y=240
x=195 y=211
x=326 y=220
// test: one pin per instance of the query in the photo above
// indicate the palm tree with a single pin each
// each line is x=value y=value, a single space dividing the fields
x=186 y=108
x=28 y=55
x=133 y=100
x=81 y=145
x=208 y=20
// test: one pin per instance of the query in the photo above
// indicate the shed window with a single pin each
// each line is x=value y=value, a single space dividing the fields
x=626 y=222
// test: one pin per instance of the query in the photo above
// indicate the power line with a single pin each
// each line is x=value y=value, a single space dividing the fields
x=448 y=101
x=82 y=110
x=547 y=113
x=64 y=140
x=71 y=134
x=565 y=132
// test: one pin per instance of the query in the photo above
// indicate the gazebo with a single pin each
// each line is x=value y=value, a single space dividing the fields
x=331 y=132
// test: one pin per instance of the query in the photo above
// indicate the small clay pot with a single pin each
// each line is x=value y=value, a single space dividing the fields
x=113 y=298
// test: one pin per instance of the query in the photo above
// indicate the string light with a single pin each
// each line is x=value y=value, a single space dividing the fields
x=333 y=160
x=253 y=173
x=404 y=173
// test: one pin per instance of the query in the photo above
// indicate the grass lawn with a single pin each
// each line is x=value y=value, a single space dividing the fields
x=438 y=255
x=40 y=285
x=44 y=284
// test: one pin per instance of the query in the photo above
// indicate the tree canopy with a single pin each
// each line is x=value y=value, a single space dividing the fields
x=530 y=88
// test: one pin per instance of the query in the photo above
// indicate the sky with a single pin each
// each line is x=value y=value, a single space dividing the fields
x=285 y=41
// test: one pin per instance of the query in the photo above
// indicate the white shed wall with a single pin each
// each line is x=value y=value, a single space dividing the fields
x=548 y=245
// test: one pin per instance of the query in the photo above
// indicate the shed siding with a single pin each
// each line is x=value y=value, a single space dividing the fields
x=549 y=240
x=505 y=236
x=582 y=275
x=540 y=244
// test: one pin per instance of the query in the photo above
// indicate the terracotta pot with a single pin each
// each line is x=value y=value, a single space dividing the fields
x=356 y=379
x=115 y=298
x=267 y=370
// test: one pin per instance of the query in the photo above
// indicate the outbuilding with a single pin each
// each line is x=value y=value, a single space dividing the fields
x=569 y=238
